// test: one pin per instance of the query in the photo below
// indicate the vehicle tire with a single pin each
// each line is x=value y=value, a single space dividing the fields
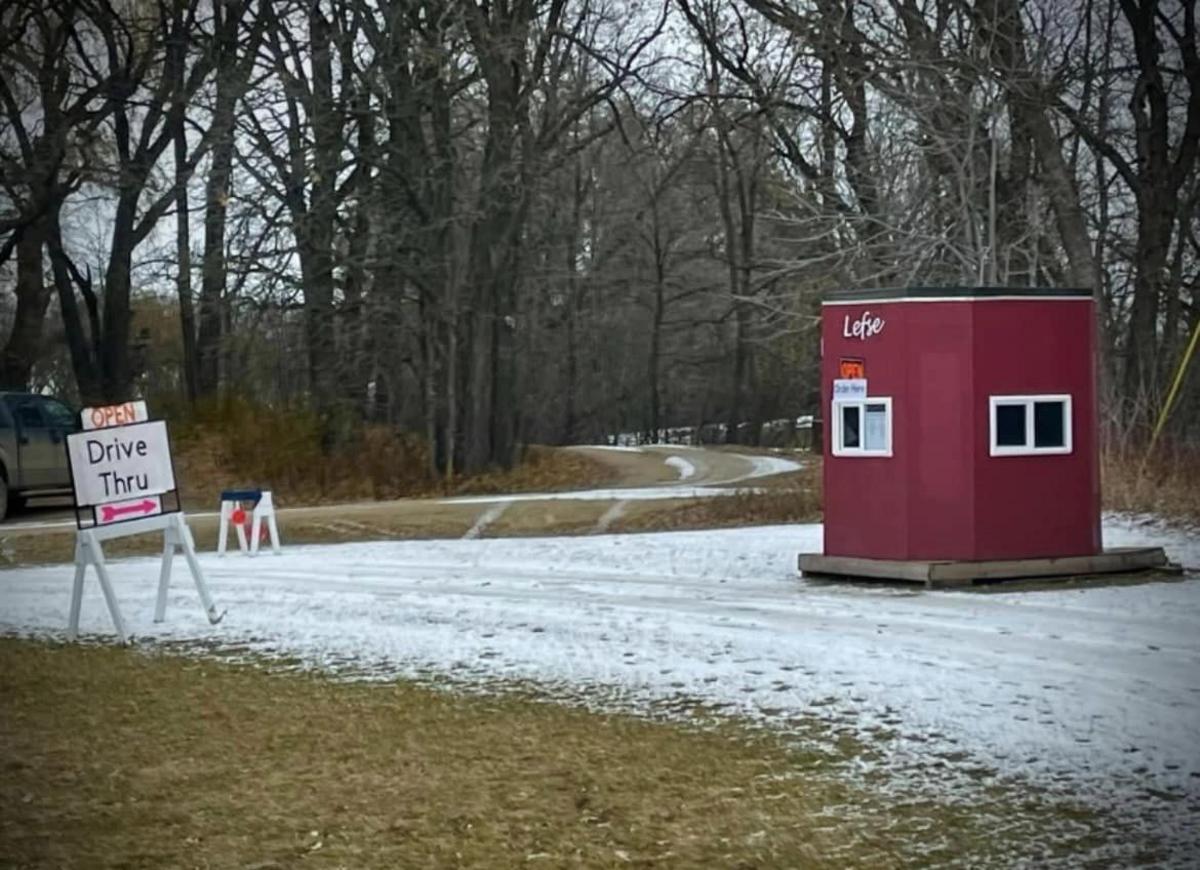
x=3 y=498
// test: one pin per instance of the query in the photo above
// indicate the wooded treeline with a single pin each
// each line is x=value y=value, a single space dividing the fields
x=495 y=222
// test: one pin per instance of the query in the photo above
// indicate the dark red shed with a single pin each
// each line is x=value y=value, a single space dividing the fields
x=962 y=424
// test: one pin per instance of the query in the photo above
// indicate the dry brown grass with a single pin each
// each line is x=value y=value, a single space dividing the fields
x=237 y=444
x=1167 y=485
x=133 y=758
x=553 y=517
x=542 y=469
x=791 y=498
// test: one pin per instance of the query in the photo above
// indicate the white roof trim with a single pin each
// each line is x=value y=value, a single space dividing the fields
x=889 y=300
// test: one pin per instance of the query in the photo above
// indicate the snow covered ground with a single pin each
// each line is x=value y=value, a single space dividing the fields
x=1088 y=692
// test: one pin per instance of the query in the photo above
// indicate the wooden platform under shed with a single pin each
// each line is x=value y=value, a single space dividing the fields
x=942 y=574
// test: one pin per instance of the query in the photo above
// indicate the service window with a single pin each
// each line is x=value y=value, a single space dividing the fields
x=863 y=427
x=1029 y=425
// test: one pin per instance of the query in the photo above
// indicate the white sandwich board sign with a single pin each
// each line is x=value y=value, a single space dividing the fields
x=125 y=464
x=120 y=471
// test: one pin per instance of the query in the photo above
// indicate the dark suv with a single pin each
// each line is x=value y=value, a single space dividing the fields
x=33 y=453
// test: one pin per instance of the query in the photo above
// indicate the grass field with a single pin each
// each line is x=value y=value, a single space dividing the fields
x=138 y=758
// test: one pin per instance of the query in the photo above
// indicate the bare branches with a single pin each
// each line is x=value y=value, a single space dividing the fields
x=453 y=213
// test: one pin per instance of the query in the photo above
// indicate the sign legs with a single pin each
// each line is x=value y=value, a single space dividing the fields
x=176 y=536
x=164 y=577
x=223 y=529
x=89 y=552
x=248 y=530
x=264 y=510
x=227 y=508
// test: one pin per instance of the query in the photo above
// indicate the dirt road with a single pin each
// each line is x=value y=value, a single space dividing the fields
x=644 y=478
x=665 y=463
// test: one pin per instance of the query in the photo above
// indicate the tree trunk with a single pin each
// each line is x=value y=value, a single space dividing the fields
x=25 y=341
x=492 y=408
x=209 y=339
x=1159 y=182
x=232 y=71
x=183 y=248
x=571 y=303
x=317 y=227
x=654 y=358
x=1141 y=346
x=116 y=360
x=1000 y=21
x=83 y=359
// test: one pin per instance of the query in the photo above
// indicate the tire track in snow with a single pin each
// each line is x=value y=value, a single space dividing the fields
x=610 y=516
x=486 y=518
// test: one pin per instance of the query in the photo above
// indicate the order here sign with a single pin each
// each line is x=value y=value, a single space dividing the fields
x=122 y=464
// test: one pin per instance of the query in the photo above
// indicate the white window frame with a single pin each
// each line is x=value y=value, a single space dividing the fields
x=836 y=414
x=1027 y=449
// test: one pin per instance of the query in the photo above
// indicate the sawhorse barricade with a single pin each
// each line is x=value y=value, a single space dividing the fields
x=262 y=512
x=88 y=551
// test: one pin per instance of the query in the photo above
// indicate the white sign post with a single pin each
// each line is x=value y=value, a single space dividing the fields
x=120 y=470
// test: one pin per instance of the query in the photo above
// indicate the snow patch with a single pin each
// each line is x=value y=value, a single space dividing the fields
x=764 y=466
x=630 y=494
x=686 y=469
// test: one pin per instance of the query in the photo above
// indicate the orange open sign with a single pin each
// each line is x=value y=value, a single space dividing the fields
x=849 y=367
x=114 y=415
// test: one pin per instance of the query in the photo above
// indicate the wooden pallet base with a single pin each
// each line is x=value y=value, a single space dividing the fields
x=941 y=574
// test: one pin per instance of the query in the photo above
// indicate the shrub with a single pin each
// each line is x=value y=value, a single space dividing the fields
x=235 y=443
x=1166 y=483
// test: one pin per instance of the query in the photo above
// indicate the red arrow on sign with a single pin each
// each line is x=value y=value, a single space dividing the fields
x=141 y=507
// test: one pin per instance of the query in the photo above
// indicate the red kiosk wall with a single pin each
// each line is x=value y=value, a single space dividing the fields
x=1039 y=505
x=866 y=499
x=938 y=414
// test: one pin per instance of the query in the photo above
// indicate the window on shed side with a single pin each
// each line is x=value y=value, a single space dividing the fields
x=875 y=427
x=862 y=427
x=851 y=416
x=1049 y=424
x=1010 y=426
x=1029 y=425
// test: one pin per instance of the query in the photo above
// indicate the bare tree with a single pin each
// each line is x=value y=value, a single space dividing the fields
x=50 y=126
x=235 y=46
